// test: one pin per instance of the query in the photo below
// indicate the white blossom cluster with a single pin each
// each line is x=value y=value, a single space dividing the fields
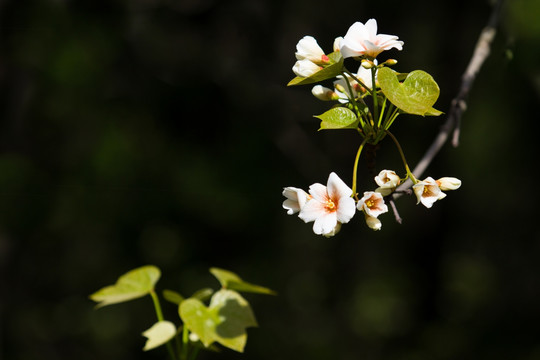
x=330 y=206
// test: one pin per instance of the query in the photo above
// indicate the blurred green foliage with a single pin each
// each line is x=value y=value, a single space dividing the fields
x=135 y=132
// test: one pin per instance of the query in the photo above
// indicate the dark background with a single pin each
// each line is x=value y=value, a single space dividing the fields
x=161 y=132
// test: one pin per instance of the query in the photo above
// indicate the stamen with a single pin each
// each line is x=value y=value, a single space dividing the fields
x=330 y=205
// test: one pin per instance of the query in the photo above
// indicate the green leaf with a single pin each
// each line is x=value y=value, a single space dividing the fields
x=230 y=280
x=132 y=285
x=225 y=320
x=416 y=95
x=159 y=334
x=332 y=70
x=203 y=294
x=338 y=118
x=172 y=296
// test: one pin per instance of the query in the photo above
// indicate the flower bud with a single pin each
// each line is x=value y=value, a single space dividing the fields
x=373 y=223
x=367 y=64
x=305 y=68
x=390 y=62
x=340 y=88
x=307 y=48
x=323 y=93
x=449 y=183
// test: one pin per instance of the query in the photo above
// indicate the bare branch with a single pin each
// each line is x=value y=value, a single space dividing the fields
x=459 y=104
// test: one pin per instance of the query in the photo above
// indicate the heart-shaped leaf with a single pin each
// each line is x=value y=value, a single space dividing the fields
x=225 y=320
x=334 y=69
x=416 y=95
x=338 y=118
x=230 y=280
x=160 y=333
x=132 y=285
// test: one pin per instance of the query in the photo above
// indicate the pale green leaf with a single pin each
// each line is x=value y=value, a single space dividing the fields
x=132 y=285
x=203 y=294
x=338 y=118
x=159 y=334
x=224 y=321
x=172 y=296
x=332 y=70
x=230 y=280
x=416 y=95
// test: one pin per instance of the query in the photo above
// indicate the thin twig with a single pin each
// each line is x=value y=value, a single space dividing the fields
x=459 y=104
x=395 y=210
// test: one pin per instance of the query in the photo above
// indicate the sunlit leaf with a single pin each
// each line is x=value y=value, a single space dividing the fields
x=332 y=70
x=160 y=333
x=224 y=321
x=132 y=285
x=338 y=118
x=416 y=95
x=230 y=280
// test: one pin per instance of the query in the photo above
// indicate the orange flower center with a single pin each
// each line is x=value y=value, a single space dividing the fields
x=330 y=206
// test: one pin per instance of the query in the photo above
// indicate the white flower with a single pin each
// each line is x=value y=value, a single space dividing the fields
x=331 y=206
x=372 y=204
x=337 y=43
x=364 y=75
x=449 y=183
x=388 y=181
x=296 y=199
x=305 y=68
x=307 y=48
x=427 y=192
x=363 y=40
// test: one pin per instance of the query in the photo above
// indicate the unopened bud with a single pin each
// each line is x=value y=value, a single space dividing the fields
x=449 y=183
x=367 y=64
x=390 y=62
x=340 y=88
x=323 y=93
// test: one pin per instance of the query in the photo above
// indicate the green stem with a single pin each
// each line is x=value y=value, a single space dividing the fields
x=352 y=100
x=359 y=81
x=409 y=173
x=388 y=122
x=383 y=108
x=374 y=95
x=355 y=169
x=391 y=115
x=185 y=343
x=159 y=314
x=194 y=353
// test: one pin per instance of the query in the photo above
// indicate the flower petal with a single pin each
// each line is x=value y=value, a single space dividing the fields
x=319 y=192
x=346 y=209
x=337 y=188
x=296 y=199
x=325 y=224
x=312 y=211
